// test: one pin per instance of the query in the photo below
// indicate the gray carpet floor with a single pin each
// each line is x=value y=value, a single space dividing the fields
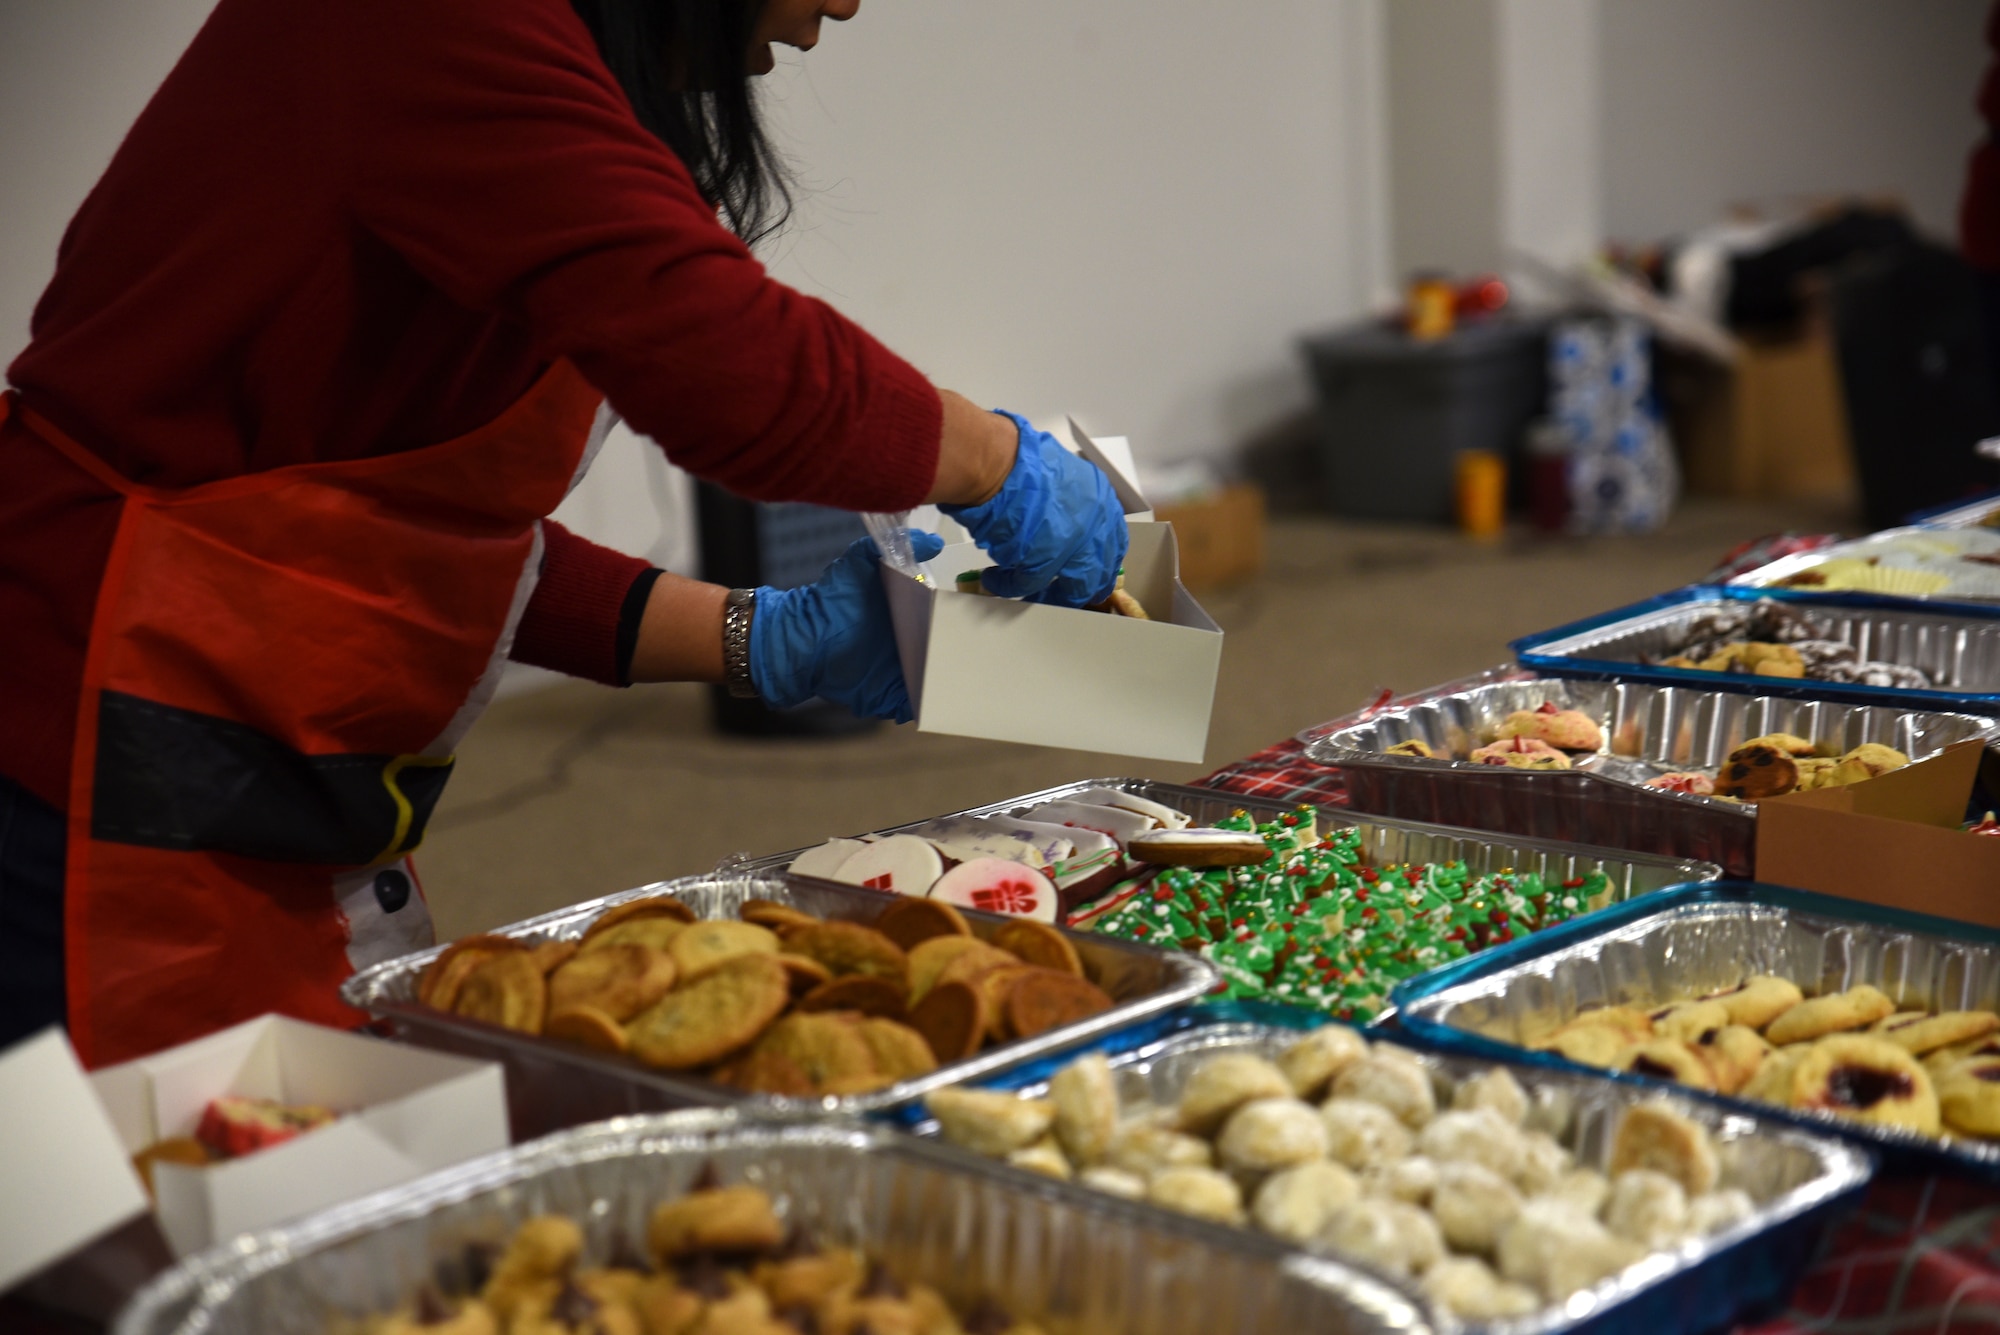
x=579 y=790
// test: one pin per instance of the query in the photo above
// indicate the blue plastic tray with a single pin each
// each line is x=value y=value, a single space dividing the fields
x=1710 y=935
x=1946 y=629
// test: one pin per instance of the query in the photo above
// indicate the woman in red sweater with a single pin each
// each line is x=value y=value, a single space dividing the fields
x=336 y=330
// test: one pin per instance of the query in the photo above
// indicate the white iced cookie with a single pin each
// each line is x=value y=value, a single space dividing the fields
x=1468 y=1289
x=1145 y=1149
x=1496 y=1089
x=1044 y=1157
x=990 y=1123
x=1114 y=1182
x=1648 y=1207
x=1481 y=1136
x=1412 y=1179
x=1086 y=1097
x=1393 y=1081
x=1294 y=1204
x=1312 y=1062
x=1202 y=1192
x=1717 y=1210
x=1362 y=1135
x=1224 y=1083
x=1583 y=1190
x=1472 y=1203
x=1543 y=1162
x=1265 y=1135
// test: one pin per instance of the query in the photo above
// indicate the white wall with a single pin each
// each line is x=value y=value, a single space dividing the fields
x=1712 y=102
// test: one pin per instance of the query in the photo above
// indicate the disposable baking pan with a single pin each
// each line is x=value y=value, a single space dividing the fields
x=1701 y=938
x=1982 y=513
x=971 y=1230
x=551 y=1084
x=1958 y=649
x=1801 y=1181
x=1649 y=729
x=1970 y=582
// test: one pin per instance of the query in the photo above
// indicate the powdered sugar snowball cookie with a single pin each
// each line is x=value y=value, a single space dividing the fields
x=1529 y=1242
x=1590 y=1261
x=1137 y=1147
x=1044 y=1157
x=826 y=861
x=1472 y=1203
x=1467 y=1288
x=1388 y=1234
x=1583 y=1190
x=1395 y=1082
x=1411 y=1179
x=1114 y=1182
x=1202 y=1192
x=1543 y=1162
x=1312 y=1063
x=1086 y=1097
x=1481 y=1136
x=1266 y=1135
x=1647 y=1207
x=1225 y=1082
x=1294 y=1204
x=1423 y=1240
x=902 y=864
x=1364 y=1135
x=989 y=1122
x=1496 y=1089
x=1717 y=1210
x=995 y=885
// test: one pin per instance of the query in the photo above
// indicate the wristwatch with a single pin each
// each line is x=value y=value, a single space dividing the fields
x=736 y=614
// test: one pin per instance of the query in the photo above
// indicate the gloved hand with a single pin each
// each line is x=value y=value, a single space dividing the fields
x=834 y=638
x=1055 y=527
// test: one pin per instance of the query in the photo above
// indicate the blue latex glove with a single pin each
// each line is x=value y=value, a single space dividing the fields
x=834 y=639
x=1055 y=528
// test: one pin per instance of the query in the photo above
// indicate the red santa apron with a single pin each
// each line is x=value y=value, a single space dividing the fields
x=280 y=667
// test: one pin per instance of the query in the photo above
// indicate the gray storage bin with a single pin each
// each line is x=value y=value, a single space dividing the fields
x=1394 y=413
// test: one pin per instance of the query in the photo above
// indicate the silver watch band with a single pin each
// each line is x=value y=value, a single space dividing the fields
x=736 y=615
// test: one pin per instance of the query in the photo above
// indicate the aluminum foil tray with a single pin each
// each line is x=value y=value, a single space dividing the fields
x=1383 y=841
x=1959 y=649
x=1970 y=581
x=1982 y=513
x=551 y=1085
x=1800 y=1181
x=1080 y=1264
x=1695 y=939
x=1648 y=730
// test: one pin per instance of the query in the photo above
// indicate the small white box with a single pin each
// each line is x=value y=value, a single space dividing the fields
x=1058 y=676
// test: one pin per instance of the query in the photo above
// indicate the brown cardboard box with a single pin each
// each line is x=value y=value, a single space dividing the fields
x=1894 y=841
x=1773 y=426
x=1221 y=537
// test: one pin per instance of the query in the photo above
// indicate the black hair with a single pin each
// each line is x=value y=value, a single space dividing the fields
x=684 y=64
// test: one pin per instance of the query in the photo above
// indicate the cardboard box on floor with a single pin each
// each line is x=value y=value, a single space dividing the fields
x=1059 y=676
x=67 y=1140
x=1896 y=841
x=1221 y=537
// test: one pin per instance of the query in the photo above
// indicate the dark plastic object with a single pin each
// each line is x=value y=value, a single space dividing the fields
x=1395 y=413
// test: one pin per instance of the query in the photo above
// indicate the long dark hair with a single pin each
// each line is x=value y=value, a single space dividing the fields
x=685 y=66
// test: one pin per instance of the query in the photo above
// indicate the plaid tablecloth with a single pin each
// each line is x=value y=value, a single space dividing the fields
x=1922 y=1255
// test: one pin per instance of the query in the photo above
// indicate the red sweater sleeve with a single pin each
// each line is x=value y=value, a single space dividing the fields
x=573 y=618
x=495 y=153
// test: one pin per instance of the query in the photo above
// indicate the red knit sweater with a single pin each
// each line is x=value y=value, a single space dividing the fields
x=346 y=228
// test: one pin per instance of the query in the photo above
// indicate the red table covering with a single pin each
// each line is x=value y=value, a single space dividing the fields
x=1922 y=1254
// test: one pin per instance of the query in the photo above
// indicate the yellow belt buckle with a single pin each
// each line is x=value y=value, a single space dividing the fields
x=405 y=813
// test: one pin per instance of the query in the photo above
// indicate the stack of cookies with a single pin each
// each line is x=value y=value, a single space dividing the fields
x=1853 y=1053
x=778 y=1001
x=720 y=1261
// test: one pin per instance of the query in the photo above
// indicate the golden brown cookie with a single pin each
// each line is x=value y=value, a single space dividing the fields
x=929 y=958
x=1589 y=1044
x=654 y=930
x=1864 y=1078
x=1734 y=1054
x=438 y=985
x=701 y=946
x=804 y=974
x=552 y=955
x=656 y=906
x=1791 y=744
x=184 y=1150
x=588 y=1027
x=857 y=992
x=900 y=1052
x=848 y=947
x=1668 y=1059
x=910 y=922
x=1039 y=944
x=1837 y=1012
x=807 y=1281
x=996 y=985
x=620 y=980
x=1413 y=746
x=1876 y=758
x=1758 y=1000
x=711 y=1017
x=1920 y=1033
x=1772 y=1082
x=1689 y=1020
x=505 y=989
x=763 y=1072
x=769 y=913
x=1654 y=1136
x=540 y=1255
x=723 y=1219
x=1753 y=773
x=952 y=1018
x=1969 y=1097
x=826 y=1047
x=1045 y=999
